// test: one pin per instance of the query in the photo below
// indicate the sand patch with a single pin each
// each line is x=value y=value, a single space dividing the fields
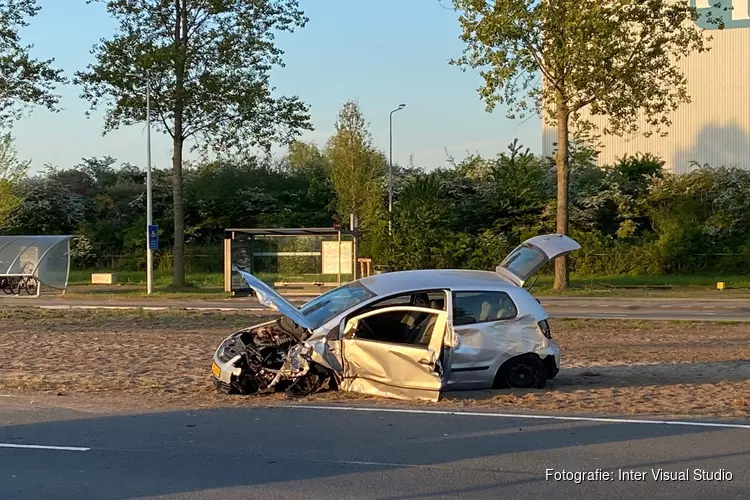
x=143 y=360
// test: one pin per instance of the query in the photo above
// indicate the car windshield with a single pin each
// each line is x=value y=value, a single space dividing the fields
x=327 y=306
x=524 y=261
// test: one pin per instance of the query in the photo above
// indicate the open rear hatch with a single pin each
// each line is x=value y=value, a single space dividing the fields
x=533 y=254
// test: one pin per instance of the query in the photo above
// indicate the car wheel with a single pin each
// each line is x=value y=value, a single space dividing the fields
x=523 y=372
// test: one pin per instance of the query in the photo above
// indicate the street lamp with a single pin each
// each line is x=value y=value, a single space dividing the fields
x=149 y=211
x=390 y=167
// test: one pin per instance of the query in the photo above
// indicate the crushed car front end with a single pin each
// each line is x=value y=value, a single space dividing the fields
x=266 y=358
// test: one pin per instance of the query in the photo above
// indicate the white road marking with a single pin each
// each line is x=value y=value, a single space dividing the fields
x=522 y=416
x=380 y=464
x=43 y=447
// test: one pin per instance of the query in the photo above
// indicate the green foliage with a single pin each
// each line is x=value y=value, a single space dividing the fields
x=423 y=224
x=9 y=201
x=254 y=193
x=25 y=81
x=469 y=216
x=207 y=65
x=631 y=217
x=49 y=207
x=704 y=211
x=104 y=204
x=614 y=59
x=11 y=172
x=82 y=253
x=357 y=168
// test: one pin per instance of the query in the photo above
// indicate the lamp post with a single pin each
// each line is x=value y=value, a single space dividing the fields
x=390 y=166
x=149 y=213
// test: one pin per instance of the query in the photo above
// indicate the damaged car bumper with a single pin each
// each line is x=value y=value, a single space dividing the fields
x=550 y=355
x=224 y=372
x=267 y=358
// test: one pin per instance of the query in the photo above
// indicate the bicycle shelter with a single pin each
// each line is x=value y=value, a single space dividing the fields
x=28 y=263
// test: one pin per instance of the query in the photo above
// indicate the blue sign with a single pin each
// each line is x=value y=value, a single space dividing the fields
x=153 y=237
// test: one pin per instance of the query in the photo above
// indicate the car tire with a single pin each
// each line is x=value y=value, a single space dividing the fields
x=522 y=372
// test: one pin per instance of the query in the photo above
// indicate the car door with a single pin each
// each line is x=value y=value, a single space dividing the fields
x=394 y=369
x=481 y=319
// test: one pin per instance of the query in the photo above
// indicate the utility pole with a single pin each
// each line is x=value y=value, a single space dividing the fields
x=149 y=211
x=390 y=167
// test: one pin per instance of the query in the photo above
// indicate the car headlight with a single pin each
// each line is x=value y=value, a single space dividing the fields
x=225 y=351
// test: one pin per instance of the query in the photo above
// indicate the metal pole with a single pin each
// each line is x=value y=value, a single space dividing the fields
x=149 y=214
x=339 y=257
x=390 y=172
x=353 y=226
x=390 y=167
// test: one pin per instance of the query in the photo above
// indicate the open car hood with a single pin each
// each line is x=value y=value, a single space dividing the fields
x=273 y=299
x=533 y=254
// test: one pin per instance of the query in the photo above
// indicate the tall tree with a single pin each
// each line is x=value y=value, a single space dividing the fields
x=23 y=80
x=612 y=58
x=357 y=167
x=208 y=63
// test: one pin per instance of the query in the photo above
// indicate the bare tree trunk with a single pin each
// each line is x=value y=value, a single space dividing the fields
x=180 y=45
x=178 y=269
x=562 y=274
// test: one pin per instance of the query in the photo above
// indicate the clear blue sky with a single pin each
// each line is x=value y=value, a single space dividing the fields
x=380 y=52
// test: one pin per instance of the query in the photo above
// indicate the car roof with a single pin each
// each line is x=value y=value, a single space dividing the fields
x=433 y=279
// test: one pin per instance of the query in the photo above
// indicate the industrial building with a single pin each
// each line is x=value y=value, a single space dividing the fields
x=714 y=128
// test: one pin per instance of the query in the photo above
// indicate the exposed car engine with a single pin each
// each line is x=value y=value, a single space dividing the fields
x=273 y=358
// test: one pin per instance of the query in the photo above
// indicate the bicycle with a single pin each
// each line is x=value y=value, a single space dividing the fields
x=13 y=285
x=5 y=285
x=30 y=284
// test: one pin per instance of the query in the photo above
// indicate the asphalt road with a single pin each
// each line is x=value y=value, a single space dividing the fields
x=289 y=453
x=556 y=307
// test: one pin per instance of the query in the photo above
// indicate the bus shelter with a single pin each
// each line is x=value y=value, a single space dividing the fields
x=322 y=257
x=29 y=263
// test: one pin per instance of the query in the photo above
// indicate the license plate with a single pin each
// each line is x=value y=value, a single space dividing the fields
x=215 y=370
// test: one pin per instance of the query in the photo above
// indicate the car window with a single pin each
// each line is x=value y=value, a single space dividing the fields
x=523 y=261
x=398 y=327
x=482 y=307
x=325 y=307
x=398 y=300
x=435 y=299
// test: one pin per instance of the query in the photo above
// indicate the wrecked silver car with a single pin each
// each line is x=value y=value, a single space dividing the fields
x=406 y=335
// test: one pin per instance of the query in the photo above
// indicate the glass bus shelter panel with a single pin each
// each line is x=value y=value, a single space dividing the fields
x=44 y=257
x=292 y=258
